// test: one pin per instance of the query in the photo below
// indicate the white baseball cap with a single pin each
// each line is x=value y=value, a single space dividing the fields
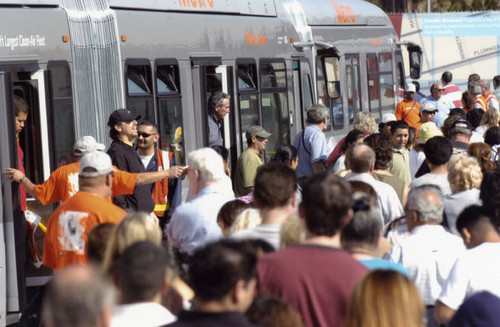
x=87 y=144
x=428 y=106
x=100 y=162
x=410 y=87
x=388 y=117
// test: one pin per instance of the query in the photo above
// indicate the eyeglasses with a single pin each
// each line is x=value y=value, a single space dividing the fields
x=439 y=90
x=260 y=139
x=144 y=135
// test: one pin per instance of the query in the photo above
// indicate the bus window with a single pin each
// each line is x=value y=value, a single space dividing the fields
x=275 y=117
x=248 y=96
x=169 y=105
x=61 y=109
x=353 y=86
x=400 y=77
x=335 y=106
x=373 y=82
x=139 y=90
x=307 y=90
x=386 y=81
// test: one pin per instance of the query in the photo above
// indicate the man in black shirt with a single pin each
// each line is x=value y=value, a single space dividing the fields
x=123 y=131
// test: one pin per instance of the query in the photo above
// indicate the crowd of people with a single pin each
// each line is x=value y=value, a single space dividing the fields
x=394 y=227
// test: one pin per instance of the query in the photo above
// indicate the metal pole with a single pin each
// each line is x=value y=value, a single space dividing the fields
x=428 y=5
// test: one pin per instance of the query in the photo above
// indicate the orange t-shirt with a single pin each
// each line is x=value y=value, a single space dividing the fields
x=66 y=237
x=409 y=112
x=63 y=184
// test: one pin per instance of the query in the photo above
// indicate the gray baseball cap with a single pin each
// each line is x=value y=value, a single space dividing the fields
x=257 y=131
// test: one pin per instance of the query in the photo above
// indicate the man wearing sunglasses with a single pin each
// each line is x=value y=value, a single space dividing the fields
x=167 y=193
x=441 y=102
x=123 y=131
x=250 y=160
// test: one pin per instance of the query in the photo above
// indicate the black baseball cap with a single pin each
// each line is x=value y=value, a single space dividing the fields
x=121 y=115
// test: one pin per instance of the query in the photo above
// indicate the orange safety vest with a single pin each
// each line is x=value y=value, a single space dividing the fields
x=482 y=101
x=160 y=189
x=490 y=96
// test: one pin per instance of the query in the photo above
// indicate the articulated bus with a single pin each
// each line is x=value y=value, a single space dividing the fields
x=75 y=61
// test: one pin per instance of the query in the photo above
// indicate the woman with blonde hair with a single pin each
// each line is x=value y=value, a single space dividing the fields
x=465 y=177
x=248 y=218
x=385 y=298
x=365 y=122
x=490 y=119
x=482 y=152
x=137 y=226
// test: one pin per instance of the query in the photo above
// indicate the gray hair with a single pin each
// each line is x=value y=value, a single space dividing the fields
x=78 y=296
x=217 y=99
x=427 y=201
x=208 y=163
x=316 y=113
x=365 y=122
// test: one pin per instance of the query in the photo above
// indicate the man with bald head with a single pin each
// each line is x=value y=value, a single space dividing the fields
x=491 y=99
x=442 y=103
x=430 y=251
x=78 y=297
x=360 y=159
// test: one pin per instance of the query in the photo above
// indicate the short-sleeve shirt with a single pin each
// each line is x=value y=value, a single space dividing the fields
x=194 y=223
x=246 y=169
x=409 y=112
x=428 y=253
x=69 y=225
x=311 y=148
x=63 y=184
x=439 y=180
x=400 y=164
x=474 y=271
x=318 y=281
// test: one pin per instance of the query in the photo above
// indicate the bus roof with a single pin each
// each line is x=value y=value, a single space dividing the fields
x=341 y=12
x=240 y=7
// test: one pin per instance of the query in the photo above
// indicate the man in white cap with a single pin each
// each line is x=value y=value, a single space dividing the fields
x=66 y=237
x=250 y=160
x=408 y=109
x=384 y=126
x=63 y=182
x=427 y=113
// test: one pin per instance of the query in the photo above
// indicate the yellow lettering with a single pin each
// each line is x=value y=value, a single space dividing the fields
x=183 y=3
x=202 y=3
x=211 y=3
x=194 y=3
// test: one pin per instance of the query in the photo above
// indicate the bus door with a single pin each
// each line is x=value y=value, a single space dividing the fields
x=35 y=144
x=12 y=294
x=303 y=92
x=209 y=76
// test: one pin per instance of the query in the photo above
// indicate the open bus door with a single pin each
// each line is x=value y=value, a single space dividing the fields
x=21 y=273
x=12 y=288
x=209 y=76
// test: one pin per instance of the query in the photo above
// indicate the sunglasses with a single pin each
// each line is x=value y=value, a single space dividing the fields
x=144 y=135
